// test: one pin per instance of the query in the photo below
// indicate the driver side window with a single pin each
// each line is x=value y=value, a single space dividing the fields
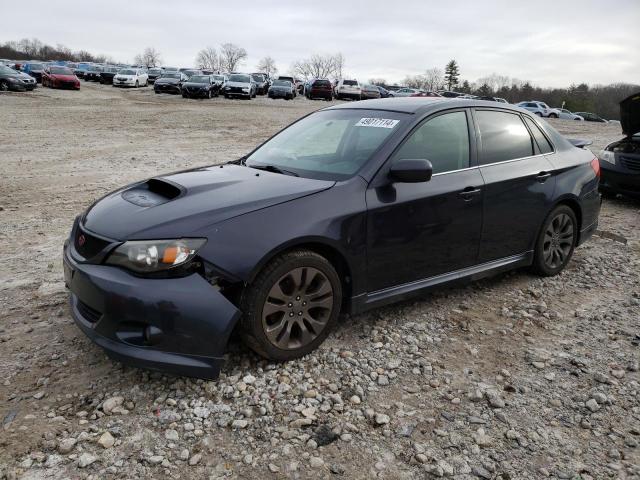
x=443 y=140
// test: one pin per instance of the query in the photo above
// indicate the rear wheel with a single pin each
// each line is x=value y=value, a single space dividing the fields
x=291 y=306
x=137 y=84
x=556 y=242
x=553 y=115
x=4 y=86
x=539 y=114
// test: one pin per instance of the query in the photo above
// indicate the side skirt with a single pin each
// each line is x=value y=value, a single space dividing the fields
x=367 y=301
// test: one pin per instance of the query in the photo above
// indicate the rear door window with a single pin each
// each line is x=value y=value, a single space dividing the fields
x=503 y=137
x=443 y=140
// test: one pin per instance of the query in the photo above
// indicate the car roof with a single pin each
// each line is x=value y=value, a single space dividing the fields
x=420 y=105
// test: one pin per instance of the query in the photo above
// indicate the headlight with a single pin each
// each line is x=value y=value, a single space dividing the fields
x=12 y=79
x=245 y=89
x=608 y=156
x=147 y=256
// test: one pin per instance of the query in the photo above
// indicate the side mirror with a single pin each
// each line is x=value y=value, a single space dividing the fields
x=411 y=170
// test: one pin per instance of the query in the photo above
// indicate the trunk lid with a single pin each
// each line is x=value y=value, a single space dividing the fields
x=630 y=114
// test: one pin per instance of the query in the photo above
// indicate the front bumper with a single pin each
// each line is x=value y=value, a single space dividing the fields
x=619 y=179
x=177 y=325
x=123 y=83
x=199 y=93
x=166 y=88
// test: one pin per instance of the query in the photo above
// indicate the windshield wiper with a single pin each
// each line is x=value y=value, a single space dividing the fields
x=274 y=169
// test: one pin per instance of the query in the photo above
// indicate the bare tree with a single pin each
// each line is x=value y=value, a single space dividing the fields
x=319 y=66
x=231 y=56
x=268 y=66
x=149 y=58
x=208 y=58
x=433 y=79
x=381 y=82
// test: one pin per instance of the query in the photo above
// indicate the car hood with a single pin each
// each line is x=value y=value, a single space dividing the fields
x=172 y=81
x=187 y=203
x=195 y=84
x=238 y=84
x=128 y=77
x=630 y=114
x=58 y=76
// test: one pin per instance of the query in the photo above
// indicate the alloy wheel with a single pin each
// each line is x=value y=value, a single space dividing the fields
x=297 y=308
x=558 y=241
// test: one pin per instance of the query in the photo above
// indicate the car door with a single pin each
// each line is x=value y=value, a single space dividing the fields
x=519 y=183
x=420 y=230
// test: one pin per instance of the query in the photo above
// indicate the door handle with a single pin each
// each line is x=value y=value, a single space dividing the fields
x=543 y=176
x=469 y=192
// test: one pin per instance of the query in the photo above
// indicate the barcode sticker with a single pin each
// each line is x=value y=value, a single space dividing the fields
x=377 y=122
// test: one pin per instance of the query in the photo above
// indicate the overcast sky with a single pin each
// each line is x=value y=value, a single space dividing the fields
x=549 y=42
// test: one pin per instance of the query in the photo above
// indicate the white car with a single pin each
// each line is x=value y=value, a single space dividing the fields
x=131 y=77
x=348 y=89
x=567 y=115
x=540 y=108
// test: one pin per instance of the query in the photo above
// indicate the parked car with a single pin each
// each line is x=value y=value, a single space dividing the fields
x=369 y=92
x=620 y=161
x=240 y=85
x=107 y=74
x=489 y=98
x=169 y=69
x=11 y=79
x=60 y=77
x=81 y=69
x=348 y=89
x=190 y=71
x=262 y=83
x=154 y=74
x=281 y=89
x=591 y=117
x=292 y=81
x=34 y=70
x=425 y=93
x=219 y=81
x=170 y=82
x=131 y=77
x=404 y=92
x=276 y=244
x=565 y=114
x=319 y=88
x=540 y=108
x=200 y=86
x=92 y=74
x=450 y=93
x=384 y=93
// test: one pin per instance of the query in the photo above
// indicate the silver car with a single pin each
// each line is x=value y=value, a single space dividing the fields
x=539 y=108
x=567 y=115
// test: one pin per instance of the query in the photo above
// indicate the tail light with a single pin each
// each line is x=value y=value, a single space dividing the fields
x=595 y=164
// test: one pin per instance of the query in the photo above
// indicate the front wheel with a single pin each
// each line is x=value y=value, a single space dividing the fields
x=4 y=86
x=556 y=242
x=553 y=115
x=539 y=114
x=292 y=305
x=137 y=84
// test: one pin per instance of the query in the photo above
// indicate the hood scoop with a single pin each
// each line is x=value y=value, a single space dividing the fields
x=154 y=191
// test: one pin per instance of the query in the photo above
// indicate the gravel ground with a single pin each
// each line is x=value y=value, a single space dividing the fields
x=513 y=377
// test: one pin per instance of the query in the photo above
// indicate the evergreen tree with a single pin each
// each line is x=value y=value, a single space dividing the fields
x=451 y=74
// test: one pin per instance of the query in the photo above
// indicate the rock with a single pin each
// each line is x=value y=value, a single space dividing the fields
x=195 y=459
x=111 y=404
x=355 y=399
x=171 y=435
x=382 y=419
x=311 y=394
x=201 y=412
x=184 y=454
x=106 y=440
x=274 y=468
x=316 y=462
x=480 y=471
x=383 y=380
x=324 y=436
x=482 y=439
x=156 y=459
x=38 y=395
x=239 y=424
x=593 y=405
x=66 y=445
x=85 y=459
x=494 y=400
x=53 y=460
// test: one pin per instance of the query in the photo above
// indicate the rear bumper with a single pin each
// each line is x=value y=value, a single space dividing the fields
x=179 y=326
x=617 y=179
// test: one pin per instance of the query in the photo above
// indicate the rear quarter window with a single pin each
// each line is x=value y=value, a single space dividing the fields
x=543 y=144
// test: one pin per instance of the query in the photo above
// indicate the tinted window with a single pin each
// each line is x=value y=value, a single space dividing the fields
x=322 y=83
x=443 y=140
x=541 y=140
x=350 y=82
x=503 y=137
x=239 y=78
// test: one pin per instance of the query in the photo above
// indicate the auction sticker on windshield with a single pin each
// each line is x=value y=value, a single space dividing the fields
x=377 y=122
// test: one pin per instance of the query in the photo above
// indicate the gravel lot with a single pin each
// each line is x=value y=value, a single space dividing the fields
x=514 y=377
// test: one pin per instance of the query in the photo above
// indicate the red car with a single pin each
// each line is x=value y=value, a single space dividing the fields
x=55 y=76
x=426 y=94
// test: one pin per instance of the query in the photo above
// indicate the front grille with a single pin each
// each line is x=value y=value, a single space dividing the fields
x=89 y=246
x=630 y=163
x=91 y=315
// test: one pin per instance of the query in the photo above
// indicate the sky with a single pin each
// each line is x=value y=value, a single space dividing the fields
x=552 y=43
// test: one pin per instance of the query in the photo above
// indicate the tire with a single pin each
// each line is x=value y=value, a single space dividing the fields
x=137 y=84
x=608 y=194
x=157 y=92
x=209 y=95
x=286 y=279
x=539 y=114
x=184 y=95
x=4 y=86
x=146 y=83
x=556 y=242
x=553 y=115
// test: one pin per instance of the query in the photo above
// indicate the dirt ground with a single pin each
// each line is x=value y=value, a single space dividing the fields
x=514 y=377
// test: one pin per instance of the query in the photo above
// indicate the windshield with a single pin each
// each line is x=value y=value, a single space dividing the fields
x=35 y=66
x=239 y=78
x=331 y=144
x=61 y=71
x=350 y=82
x=127 y=72
x=199 y=79
x=171 y=75
x=6 y=70
x=155 y=70
x=218 y=78
x=111 y=70
x=281 y=83
x=257 y=77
